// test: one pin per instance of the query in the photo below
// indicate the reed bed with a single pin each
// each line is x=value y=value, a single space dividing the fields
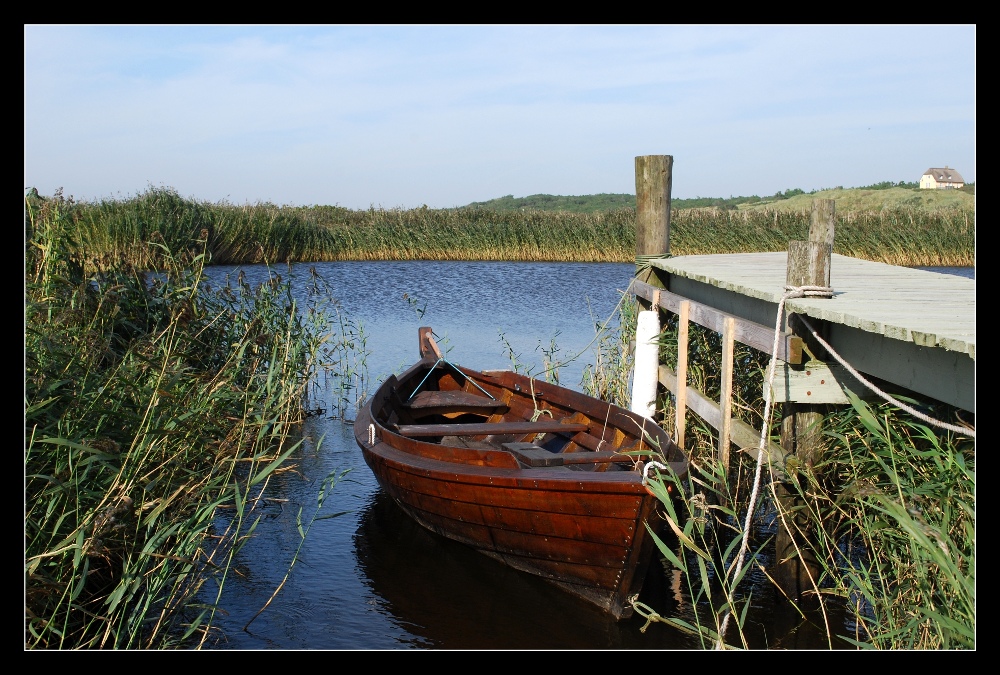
x=132 y=229
x=152 y=405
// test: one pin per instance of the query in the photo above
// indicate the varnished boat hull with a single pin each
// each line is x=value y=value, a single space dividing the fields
x=582 y=527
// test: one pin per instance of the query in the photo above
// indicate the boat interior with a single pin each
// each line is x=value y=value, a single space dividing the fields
x=449 y=407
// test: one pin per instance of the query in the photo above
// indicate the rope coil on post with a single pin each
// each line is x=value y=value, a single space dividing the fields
x=643 y=260
x=804 y=291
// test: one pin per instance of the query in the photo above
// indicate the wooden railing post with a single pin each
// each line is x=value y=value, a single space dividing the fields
x=680 y=395
x=809 y=264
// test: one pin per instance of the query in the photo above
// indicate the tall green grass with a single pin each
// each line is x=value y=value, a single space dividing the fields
x=113 y=230
x=889 y=511
x=151 y=402
x=897 y=499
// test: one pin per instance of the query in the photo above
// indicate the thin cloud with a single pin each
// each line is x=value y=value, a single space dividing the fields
x=446 y=115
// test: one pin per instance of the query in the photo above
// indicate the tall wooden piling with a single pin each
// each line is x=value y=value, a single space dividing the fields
x=653 y=177
x=802 y=423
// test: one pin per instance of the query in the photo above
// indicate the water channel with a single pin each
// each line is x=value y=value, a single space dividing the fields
x=371 y=579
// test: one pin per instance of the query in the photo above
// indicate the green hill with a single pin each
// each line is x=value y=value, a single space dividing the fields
x=869 y=198
x=863 y=199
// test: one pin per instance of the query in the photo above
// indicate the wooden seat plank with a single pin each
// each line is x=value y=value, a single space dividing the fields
x=534 y=456
x=489 y=428
x=456 y=401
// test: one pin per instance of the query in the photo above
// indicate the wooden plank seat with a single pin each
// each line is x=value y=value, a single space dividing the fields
x=489 y=428
x=446 y=402
x=534 y=456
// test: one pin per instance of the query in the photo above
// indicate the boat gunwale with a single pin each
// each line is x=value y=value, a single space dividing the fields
x=540 y=478
x=411 y=446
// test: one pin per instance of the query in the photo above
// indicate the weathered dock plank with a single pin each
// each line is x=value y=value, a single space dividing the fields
x=911 y=327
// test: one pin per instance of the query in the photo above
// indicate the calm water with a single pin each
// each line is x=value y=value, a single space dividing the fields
x=372 y=579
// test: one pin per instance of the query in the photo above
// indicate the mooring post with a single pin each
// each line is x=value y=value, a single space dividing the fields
x=802 y=423
x=653 y=176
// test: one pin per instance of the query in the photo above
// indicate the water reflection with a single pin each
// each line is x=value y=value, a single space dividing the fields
x=449 y=596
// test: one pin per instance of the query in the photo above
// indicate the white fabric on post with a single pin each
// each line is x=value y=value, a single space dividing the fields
x=647 y=363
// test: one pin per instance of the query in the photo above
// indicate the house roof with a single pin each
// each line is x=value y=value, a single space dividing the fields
x=945 y=175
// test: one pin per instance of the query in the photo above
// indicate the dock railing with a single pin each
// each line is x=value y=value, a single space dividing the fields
x=804 y=378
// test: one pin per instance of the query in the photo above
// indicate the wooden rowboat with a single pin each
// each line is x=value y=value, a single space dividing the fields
x=542 y=478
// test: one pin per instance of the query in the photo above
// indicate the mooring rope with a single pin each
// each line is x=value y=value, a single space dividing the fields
x=601 y=330
x=642 y=262
x=916 y=413
x=534 y=401
x=790 y=292
x=651 y=465
x=798 y=292
x=456 y=369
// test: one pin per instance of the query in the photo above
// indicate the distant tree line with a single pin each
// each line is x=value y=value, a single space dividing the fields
x=610 y=202
x=570 y=204
x=887 y=184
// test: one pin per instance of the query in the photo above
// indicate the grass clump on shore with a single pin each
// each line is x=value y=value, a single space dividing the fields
x=151 y=402
x=888 y=514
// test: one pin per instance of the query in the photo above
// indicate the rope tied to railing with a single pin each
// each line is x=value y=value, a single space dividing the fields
x=825 y=291
x=887 y=397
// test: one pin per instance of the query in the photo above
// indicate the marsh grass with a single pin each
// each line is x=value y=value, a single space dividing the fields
x=151 y=402
x=608 y=377
x=889 y=512
x=128 y=230
x=900 y=525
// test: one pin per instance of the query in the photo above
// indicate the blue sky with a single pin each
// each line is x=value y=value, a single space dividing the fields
x=400 y=116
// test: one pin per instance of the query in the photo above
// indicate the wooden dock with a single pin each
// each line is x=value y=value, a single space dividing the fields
x=913 y=328
x=876 y=330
